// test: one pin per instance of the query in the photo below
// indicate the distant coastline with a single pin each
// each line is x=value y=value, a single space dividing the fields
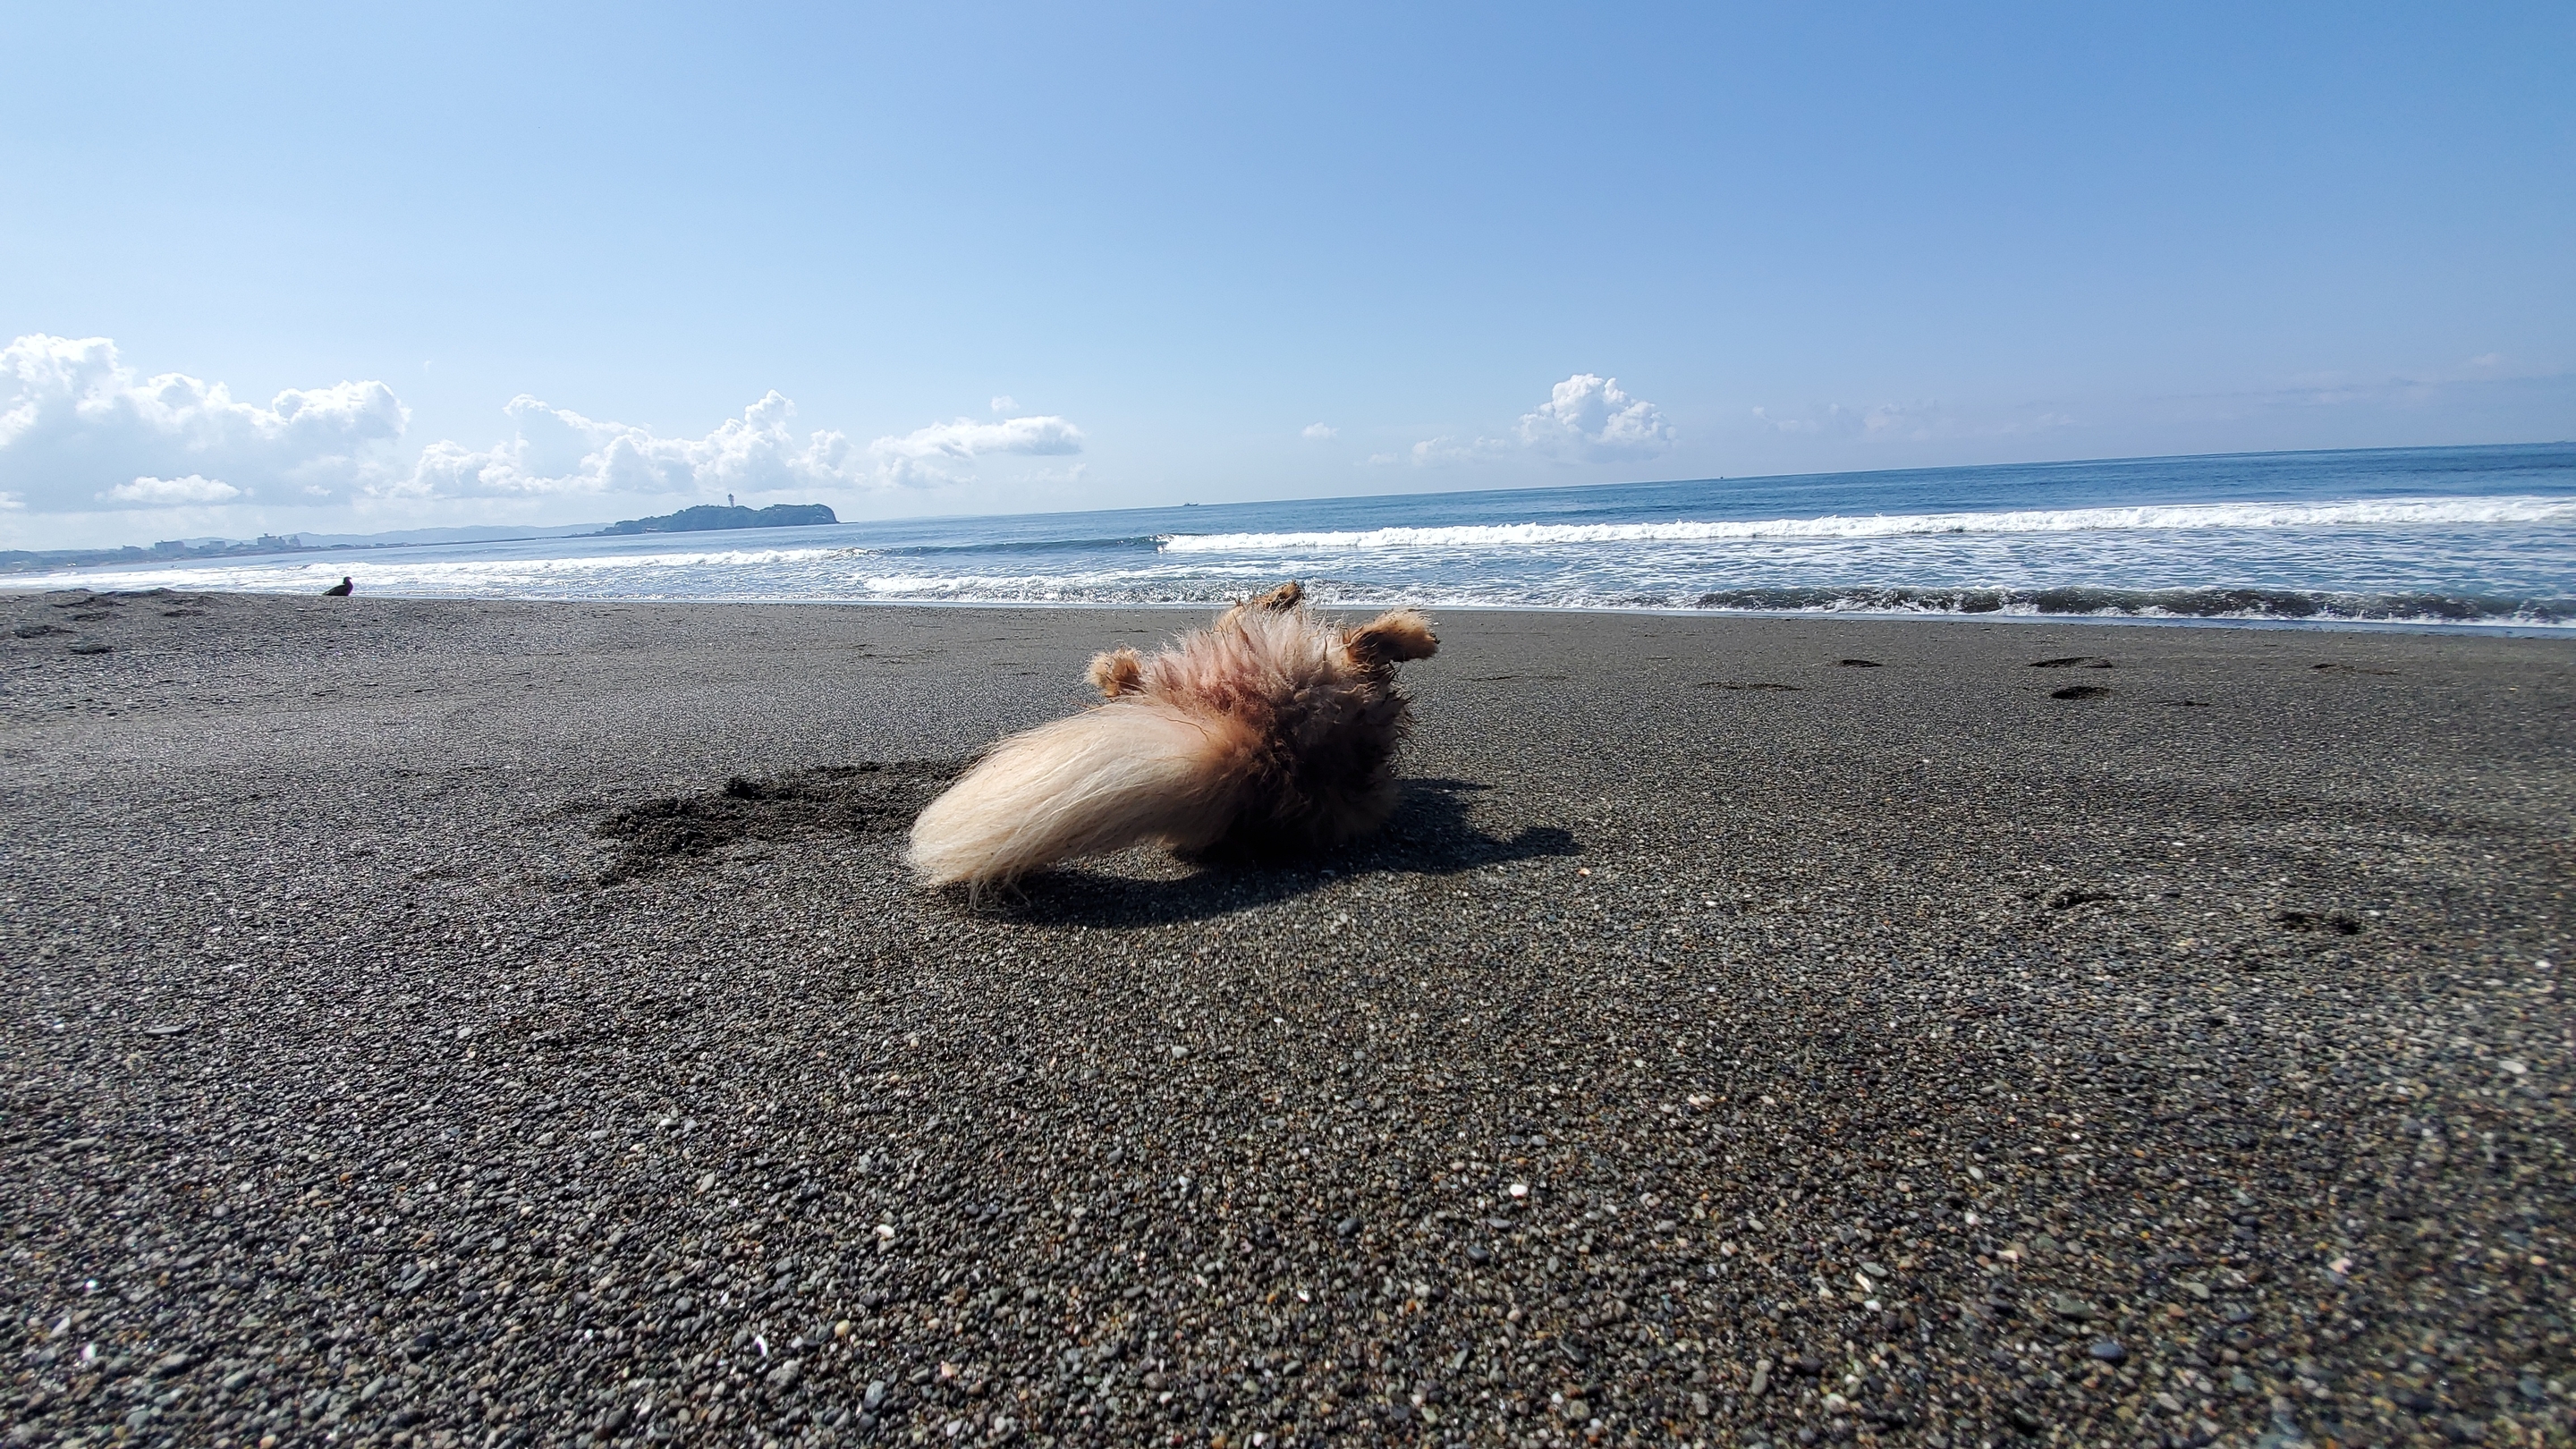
x=27 y=561
x=703 y=518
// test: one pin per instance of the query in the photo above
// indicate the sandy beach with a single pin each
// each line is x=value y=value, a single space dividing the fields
x=498 y=1023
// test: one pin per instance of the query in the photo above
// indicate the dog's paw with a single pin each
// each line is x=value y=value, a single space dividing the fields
x=1117 y=672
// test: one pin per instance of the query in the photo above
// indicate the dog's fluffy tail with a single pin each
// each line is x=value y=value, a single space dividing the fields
x=1126 y=773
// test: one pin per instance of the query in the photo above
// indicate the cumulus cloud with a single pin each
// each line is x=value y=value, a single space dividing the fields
x=1588 y=418
x=81 y=430
x=557 y=451
x=173 y=492
x=1320 y=432
x=943 y=452
x=1005 y=403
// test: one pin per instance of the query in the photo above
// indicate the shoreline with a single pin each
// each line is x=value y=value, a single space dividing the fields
x=1745 y=1030
x=2484 y=628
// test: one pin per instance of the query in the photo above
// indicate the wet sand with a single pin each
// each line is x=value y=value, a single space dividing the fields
x=1749 y=1030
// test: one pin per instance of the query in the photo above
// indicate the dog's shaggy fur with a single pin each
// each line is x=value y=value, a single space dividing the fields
x=1270 y=730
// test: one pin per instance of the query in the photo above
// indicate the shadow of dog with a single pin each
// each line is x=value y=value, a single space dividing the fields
x=1429 y=834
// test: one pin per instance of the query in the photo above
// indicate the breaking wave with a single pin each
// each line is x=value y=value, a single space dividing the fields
x=2379 y=513
x=2316 y=605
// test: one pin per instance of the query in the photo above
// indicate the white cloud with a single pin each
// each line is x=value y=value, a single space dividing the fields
x=1841 y=420
x=1320 y=432
x=1005 y=403
x=560 y=452
x=1590 y=419
x=80 y=428
x=1911 y=422
x=1586 y=419
x=942 y=452
x=1443 y=450
x=172 y=492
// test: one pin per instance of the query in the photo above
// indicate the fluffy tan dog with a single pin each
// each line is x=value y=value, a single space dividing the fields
x=1271 y=729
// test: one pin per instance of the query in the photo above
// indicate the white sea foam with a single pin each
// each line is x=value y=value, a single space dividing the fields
x=2383 y=513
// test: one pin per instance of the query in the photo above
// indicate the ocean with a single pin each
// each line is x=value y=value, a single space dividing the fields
x=2451 y=537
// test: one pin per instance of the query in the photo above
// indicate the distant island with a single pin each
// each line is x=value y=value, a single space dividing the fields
x=709 y=516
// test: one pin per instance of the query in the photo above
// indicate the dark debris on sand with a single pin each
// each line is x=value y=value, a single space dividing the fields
x=865 y=799
x=1906 y=1059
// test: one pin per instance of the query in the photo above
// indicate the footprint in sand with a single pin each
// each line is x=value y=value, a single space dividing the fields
x=2079 y=691
x=1857 y=663
x=2073 y=661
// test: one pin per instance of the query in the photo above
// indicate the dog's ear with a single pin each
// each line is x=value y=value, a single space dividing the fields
x=1278 y=601
x=1391 y=637
x=1117 y=672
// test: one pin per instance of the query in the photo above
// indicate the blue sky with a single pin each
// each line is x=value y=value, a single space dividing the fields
x=333 y=269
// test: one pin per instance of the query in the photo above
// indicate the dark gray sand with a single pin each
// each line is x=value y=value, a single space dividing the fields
x=413 y=1039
